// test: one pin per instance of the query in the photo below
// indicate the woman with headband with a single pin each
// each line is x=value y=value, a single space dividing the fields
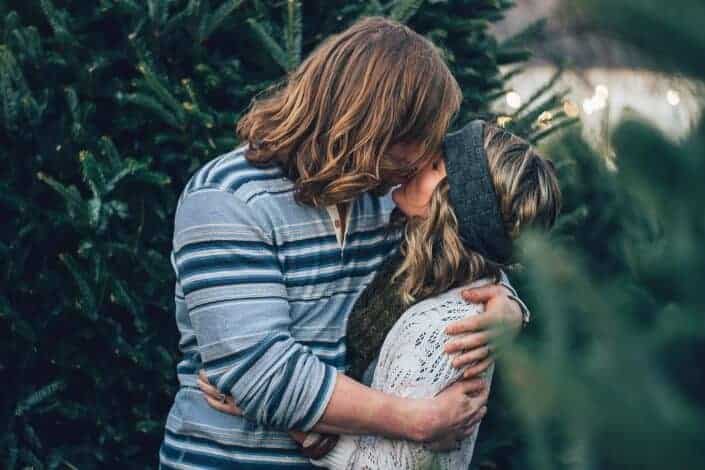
x=462 y=214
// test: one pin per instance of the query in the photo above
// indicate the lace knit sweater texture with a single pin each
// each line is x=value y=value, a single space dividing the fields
x=411 y=364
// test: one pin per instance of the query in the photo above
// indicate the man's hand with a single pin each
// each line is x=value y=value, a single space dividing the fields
x=452 y=414
x=219 y=401
x=483 y=333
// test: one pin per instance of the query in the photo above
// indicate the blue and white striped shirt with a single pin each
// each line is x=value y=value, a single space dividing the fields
x=263 y=292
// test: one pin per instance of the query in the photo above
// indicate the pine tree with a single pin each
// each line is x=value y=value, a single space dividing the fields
x=613 y=377
x=107 y=108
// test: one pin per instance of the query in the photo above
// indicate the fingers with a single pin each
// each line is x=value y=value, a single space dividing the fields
x=298 y=436
x=471 y=427
x=481 y=295
x=228 y=407
x=217 y=400
x=208 y=389
x=471 y=341
x=470 y=324
x=471 y=356
x=479 y=368
x=473 y=387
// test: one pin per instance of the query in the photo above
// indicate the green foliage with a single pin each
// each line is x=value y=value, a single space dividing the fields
x=612 y=377
x=107 y=107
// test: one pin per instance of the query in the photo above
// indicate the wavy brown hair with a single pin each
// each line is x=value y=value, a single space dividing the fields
x=361 y=91
x=435 y=258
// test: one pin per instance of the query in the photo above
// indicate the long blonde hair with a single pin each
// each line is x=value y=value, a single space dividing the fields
x=435 y=258
x=373 y=85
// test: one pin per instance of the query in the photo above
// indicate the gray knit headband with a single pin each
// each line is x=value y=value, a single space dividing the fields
x=472 y=193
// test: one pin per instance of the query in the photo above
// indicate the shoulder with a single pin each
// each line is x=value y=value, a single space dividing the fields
x=232 y=173
x=442 y=309
x=229 y=188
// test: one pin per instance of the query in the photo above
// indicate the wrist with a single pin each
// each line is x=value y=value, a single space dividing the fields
x=417 y=419
x=524 y=314
x=520 y=316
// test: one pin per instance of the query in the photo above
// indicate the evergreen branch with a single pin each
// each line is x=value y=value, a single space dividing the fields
x=261 y=8
x=471 y=25
x=123 y=298
x=92 y=174
x=204 y=14
x=6 y=309
x=217 y=18
x=58 y=21
x=31 y=436
x=270 y=45
x=111 y=152
x=157 y=11
x=29 y=458
x=375 y=8
x=71 y=196
x=13 y=87
x=537 y=137
x=293 y=32
x=540 y=92
x=39 y=396
x=181 y=18
x=571 y=221
x=13 y=450
x=551 y=103
x=12 y=23
x=194 y=107
x=9 y=105
x=34 y=45
x=11 y=70
x=88 y=301
x=10 y=198
x=511 y=56
x=138 y=171
x=532 y=32
x=160 y=90
x=404 y=10
x=149 y=103
x=95 y=210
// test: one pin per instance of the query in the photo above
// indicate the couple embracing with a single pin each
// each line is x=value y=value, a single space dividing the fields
x=339 y=280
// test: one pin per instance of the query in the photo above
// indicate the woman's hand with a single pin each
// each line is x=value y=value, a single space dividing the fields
x=450 y=415
x=219 y=401
x=483 y=333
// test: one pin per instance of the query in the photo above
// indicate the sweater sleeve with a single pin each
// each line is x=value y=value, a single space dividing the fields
x=226 y=262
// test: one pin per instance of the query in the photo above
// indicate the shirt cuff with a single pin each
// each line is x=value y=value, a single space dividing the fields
x=324 y=395
x=525 y=313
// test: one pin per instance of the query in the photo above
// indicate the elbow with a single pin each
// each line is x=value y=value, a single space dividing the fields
x=286 y=388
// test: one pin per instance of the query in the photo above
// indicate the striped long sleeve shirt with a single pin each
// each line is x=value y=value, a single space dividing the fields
x=264 y=287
